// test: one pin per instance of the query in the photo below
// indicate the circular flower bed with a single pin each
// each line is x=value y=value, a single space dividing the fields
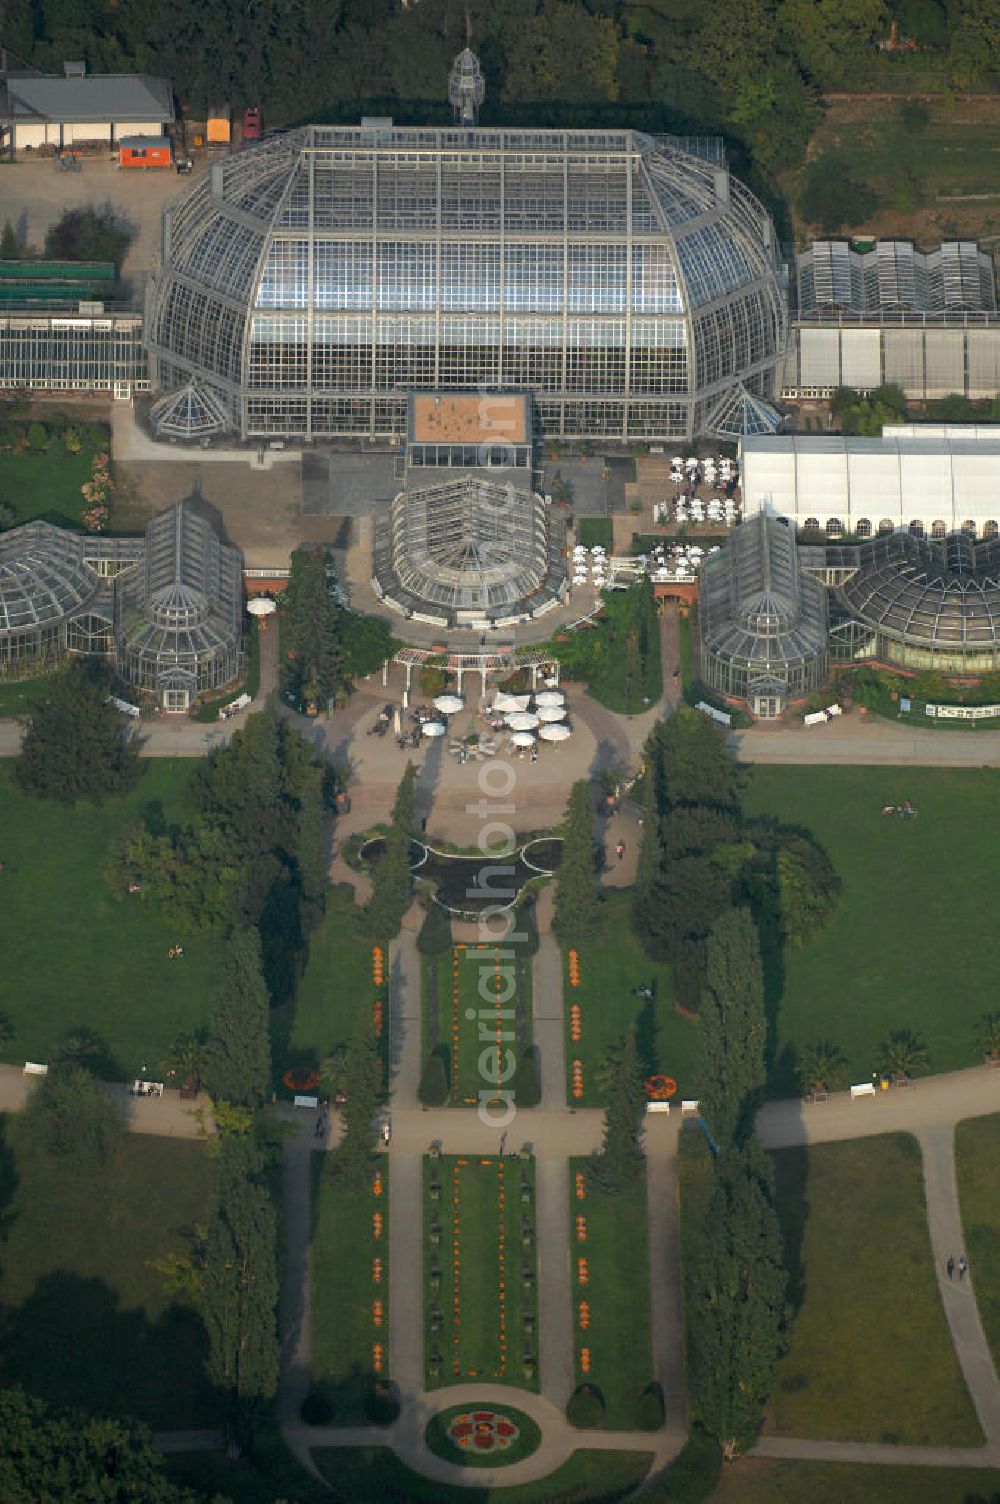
x=482 y=1437
x=660 y=1088
x=486 y=1430
x=301 y=1079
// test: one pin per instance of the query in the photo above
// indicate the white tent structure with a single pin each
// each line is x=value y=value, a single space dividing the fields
x=930 y=478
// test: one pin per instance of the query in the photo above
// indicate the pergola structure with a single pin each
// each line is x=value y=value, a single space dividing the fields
x=497 y=660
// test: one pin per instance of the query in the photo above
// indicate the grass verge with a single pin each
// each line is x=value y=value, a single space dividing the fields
x=610 y=969
x=87 y=1322
x=49 y=489
x=610 y=1282
x=375 y=1475
x=862 y=1277
x=759 y=1480
x=350 y=1285
x=977 y=1154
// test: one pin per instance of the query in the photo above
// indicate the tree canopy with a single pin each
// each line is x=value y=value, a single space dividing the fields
x=237 y=1056
x=89 y=234
x=76 y=744
x=733 y=1027
x=58 y=1457
x=392 y=881
x=576 y=897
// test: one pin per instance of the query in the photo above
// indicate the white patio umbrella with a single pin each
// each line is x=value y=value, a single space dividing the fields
x=433 y=728
x=522 y=720
x=448 y=704
x=523 y=738
x=550 y=697
x=555 y=733
x=551 y=713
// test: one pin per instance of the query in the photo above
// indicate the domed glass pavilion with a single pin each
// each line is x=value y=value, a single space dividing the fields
x=631 y=284
x=927 y=603
x=52 y=599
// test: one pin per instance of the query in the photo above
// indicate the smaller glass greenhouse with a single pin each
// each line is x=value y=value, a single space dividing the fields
x=764 y=622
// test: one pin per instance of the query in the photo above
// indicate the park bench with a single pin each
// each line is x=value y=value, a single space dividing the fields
x=689 y=1109
x=32 y=1068
x=301 y=1101
x=863 y=1089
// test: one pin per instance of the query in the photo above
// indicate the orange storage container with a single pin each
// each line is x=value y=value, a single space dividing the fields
x=144 y=151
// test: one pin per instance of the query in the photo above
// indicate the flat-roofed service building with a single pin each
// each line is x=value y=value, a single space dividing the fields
x=49 y=111
x=469 y=430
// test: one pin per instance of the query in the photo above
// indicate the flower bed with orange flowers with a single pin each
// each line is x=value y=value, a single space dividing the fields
x=351 y=1291
x=610 y=1293
x=480 y=1274
x=483 y=1000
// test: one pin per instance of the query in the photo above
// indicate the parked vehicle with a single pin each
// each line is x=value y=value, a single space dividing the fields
x=251 y=124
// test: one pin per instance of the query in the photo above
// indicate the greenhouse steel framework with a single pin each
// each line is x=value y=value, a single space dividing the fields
x=470 y=550
x=763 y=621
x=310 y=282
x=178 y=617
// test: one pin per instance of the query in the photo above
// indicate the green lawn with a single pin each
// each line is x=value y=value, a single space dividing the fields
x=86 y=1322
x=74 y=954
x=346 y=1284
x=375 y=1475
x=47 y=488
x=610 y=969
x=616 y=1289
x=16 y=695
x=871 y=1357
x=476 y=979
x=486 y=1280
x=912 y=943
x=337 y=982
x=977 y=1155
x=759 y=1480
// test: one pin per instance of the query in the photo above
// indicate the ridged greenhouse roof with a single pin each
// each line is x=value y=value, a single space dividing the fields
x=43 y=577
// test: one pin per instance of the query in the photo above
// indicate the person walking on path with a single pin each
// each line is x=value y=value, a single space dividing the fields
x=963 y=1267
x=950 y=1266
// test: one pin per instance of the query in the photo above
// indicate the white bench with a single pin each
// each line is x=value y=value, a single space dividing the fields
x=32 y=1068
x=306 y=1102
x=689 y=1109
x=863 y=1089
x=658 y=1107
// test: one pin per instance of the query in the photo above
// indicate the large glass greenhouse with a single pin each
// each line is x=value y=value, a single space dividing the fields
x=764 y=620
x=631 y=284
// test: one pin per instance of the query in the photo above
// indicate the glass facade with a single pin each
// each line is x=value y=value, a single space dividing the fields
x=631 y=284
x=43 y=352
x=764 y=621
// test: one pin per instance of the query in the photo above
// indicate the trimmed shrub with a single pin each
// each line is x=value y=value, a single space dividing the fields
x=434 y=1085
x=382 y=1404
x=435 y=932
x=527 y=1090
x=317 y=1408
x=585 y=1408
x=38 y=437
x=649 y=1409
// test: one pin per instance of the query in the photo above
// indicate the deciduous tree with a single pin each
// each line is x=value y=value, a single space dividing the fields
x=76 y=744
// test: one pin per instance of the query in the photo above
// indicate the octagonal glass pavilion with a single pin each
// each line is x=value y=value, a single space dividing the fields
x=470 y=550
x=630 y=283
